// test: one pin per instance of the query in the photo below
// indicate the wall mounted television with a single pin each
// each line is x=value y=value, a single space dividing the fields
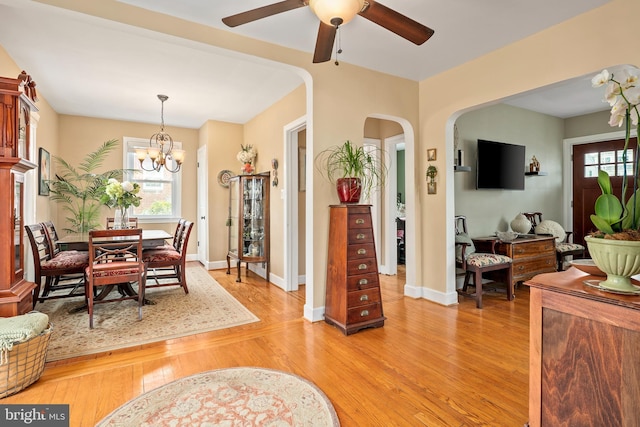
x=500 y=165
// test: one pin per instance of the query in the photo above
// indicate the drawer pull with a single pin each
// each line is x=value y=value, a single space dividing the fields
x=362 y=267
x=364 y=298
x=360 y=236
x=363 y=282
x=362 y=251
x=364 y=313
x=359 y=221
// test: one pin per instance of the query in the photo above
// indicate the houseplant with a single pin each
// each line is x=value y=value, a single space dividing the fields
x=80 y=188
x=356 y=170
x=615 y=248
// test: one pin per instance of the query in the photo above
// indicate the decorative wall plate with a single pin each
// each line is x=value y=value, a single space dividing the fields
x=224 y=176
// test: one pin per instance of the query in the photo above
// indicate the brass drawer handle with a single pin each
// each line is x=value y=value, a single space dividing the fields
x=363 y=282
x=364 y=313
x=359 y=221
x=362 y=251
x=362 y=267
x=364 y=298
x=360 y=236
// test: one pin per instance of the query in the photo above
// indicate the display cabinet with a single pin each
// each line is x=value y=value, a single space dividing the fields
x=249 y=221
x=17 y=97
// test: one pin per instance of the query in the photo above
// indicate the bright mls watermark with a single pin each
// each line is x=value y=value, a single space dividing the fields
x=34 y=415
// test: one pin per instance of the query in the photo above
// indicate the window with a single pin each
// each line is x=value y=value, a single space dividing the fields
x=160 y=191
x=609 y=161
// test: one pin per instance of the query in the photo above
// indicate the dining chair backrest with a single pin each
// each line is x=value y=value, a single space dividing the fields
x=132 y=221
x=39 y=245
x=170 y=263
x=52 y=235
x=115 y=258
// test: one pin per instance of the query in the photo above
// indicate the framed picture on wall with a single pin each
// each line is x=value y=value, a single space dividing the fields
x=44 y=172
x=431 y=154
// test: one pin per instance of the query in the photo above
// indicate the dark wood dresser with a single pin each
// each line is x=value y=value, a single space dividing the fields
x=584 y=353
x=531 y=255
x=353 y=300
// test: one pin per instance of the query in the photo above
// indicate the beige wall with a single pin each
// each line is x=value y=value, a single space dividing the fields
x=536 y=61
x=589 y=124
x=265 y=132
x=223 y=143
x=82 y=135
x=490 y=210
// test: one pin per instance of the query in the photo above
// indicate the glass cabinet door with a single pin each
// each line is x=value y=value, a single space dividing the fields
x=234 y=215
x=254 y=217
x=18 y=266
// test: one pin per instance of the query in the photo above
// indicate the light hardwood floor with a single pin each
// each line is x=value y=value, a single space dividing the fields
x=429 y=365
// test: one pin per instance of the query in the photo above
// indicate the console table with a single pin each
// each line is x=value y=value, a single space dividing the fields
x=531 y=254
x=584 y=345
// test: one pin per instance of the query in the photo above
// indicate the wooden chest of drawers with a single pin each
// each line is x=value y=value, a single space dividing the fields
x=531 y=255
x=353 y=300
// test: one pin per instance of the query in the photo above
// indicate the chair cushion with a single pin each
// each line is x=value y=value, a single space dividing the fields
x=117 y=268
x=464 y=238
x=66 y=260
x=551 y=227
x=160 y=255
x=484 y=260
x=568 y=247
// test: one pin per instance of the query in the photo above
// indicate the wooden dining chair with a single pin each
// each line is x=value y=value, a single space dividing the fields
x=133 y=222
x=565 y=246
x=166 y=265
x=61 y=270
x=115 y=258
x=475 y=264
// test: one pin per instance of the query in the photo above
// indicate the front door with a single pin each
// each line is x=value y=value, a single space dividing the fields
x=587 y=160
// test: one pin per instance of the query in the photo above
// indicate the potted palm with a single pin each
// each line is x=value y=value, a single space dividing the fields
x=356 y=170
x=79 y=188
x=615 y=247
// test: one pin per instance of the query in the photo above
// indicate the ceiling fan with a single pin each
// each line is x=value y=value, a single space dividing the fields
x=332 y=14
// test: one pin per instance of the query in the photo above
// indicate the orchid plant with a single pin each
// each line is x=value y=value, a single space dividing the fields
x=613 y=214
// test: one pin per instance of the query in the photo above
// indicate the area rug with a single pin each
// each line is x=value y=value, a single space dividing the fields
x=229 y=397
x=207 y=307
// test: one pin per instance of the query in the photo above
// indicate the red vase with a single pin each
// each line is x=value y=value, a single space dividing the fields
x=349 y=190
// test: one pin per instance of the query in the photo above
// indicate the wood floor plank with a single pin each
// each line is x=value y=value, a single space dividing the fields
x=429 y=365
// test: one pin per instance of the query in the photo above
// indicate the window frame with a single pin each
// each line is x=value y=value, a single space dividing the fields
x=129 y=161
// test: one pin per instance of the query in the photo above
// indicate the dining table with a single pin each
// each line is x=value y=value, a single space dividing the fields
x=80 y=242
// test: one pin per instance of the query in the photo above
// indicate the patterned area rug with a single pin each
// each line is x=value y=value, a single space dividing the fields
x=229 y=397
x=207 y=307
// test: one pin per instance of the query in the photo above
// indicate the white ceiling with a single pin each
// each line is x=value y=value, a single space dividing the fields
x=98 y=68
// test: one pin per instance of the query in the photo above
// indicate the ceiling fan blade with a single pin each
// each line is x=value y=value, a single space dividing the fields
x=396 y=22
x=324 y=43
x=262 y=12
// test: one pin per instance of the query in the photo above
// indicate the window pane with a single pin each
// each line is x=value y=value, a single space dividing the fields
x=591 y=171
x=608 y=157
x=610 y=169
x=157 y=188
x=629 y=156
x=591 y=159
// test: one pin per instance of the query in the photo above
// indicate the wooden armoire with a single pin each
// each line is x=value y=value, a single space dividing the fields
x=17 y=102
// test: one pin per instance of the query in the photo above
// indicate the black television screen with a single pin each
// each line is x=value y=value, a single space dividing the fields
x=500 y=165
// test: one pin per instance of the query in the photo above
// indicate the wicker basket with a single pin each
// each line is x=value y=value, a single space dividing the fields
x=25 y=363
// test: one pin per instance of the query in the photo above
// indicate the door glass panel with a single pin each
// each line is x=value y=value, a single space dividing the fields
x=591 y=171
x=234 y=215
x=610 y=169
x=591 y=159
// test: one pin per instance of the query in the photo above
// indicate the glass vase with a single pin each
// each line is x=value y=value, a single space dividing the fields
x=121 y=219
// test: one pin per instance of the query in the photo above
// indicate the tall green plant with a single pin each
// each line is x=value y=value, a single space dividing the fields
x=352 y=161
x=80 y=188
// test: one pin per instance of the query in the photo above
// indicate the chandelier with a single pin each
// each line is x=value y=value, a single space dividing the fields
x=161 y=151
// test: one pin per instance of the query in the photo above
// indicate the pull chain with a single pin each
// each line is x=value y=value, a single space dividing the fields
x=338 y=46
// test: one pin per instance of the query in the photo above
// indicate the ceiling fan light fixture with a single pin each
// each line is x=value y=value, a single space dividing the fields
x=336 y=11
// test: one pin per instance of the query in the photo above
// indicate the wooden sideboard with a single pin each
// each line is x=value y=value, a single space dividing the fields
x=353 y=299
x=531 y=255
x=584 y=353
